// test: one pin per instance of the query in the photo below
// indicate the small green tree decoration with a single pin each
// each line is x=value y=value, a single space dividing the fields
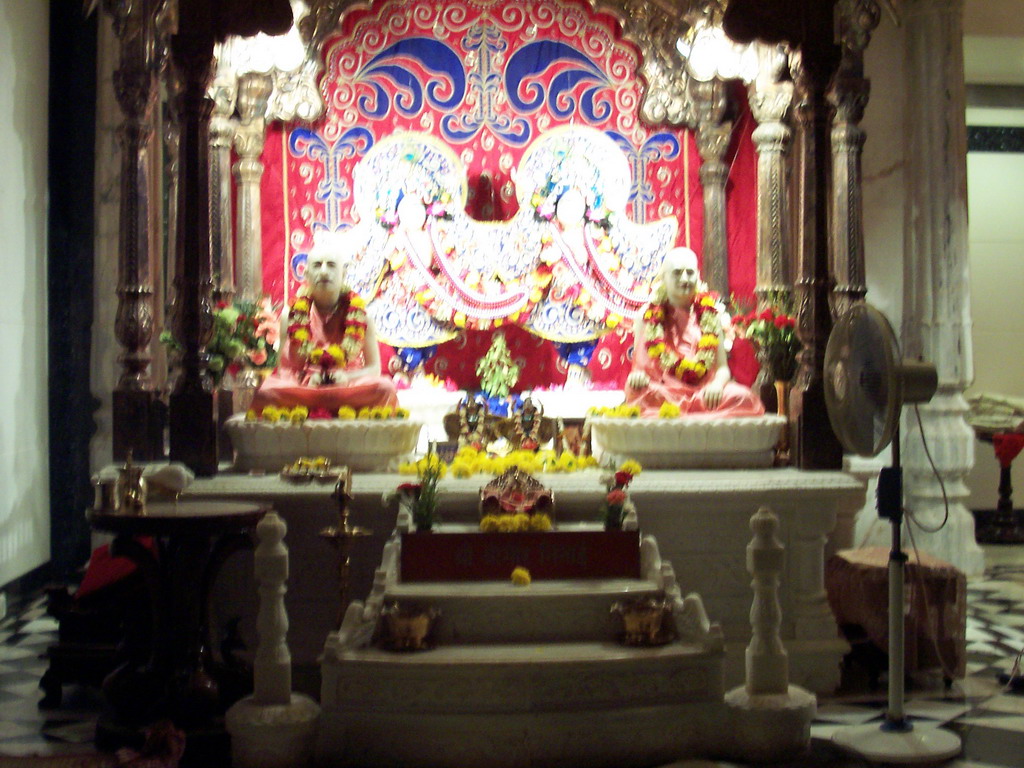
x=497 y=372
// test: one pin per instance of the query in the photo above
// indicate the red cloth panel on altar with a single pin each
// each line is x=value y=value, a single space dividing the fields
x=488 y=78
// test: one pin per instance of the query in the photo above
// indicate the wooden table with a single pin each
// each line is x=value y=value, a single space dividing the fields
x=166 y=673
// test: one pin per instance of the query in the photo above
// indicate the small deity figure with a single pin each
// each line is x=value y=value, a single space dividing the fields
x=528 y=429
x=329 y=356
x=471 y=423
x=678 y=355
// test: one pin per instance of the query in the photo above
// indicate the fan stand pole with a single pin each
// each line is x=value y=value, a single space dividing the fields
x=896 y=740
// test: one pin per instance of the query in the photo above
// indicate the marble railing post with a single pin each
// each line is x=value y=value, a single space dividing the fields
x=849 y=96
x=253 y=91
x=193 y=413
x=136 y=424
x=713 y=134
x=815 y=446
x=770 y=105
x=936 y=309
x=222 y=132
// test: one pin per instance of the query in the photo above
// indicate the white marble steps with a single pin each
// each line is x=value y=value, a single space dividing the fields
x=531 y=704
x=544 y=611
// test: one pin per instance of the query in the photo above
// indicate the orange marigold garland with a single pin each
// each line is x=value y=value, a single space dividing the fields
x=690 y=370
x=328 y=357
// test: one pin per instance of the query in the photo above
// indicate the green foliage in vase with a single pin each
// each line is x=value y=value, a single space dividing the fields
x=244 y=336
x=497 y=372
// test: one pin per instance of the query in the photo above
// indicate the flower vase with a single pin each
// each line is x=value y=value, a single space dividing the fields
x=247 y=381
x=782 y=390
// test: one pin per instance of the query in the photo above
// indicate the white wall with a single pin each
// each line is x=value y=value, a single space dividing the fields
x=995 y=193
x=24 y=482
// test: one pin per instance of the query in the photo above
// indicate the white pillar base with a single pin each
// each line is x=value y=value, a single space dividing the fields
x=273 y=735
x=771 y=727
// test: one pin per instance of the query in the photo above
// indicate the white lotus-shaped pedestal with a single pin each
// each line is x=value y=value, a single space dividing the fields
x=363 y=445
x=690 y=441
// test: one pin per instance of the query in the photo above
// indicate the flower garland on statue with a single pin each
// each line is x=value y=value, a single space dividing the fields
x=328 y=357
x=690 y=370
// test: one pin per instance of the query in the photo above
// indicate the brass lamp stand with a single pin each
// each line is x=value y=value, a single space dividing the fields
x=343 y=536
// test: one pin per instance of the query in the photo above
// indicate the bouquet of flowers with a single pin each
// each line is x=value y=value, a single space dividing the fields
x=616 y=502
x=244 y=336
x=421 y=498
x=773 y=333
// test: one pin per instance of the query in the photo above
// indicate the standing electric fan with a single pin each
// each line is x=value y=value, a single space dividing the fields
x=866 y=385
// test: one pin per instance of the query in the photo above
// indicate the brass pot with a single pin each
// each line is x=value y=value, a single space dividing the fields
x=643 y=621
x=408 y=627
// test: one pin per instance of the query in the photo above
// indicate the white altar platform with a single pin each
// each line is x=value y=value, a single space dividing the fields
x=699 y=517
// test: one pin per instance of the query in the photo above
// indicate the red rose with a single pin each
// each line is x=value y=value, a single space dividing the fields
x=616 y=498
x=780 y=321
x=413 y=488
x=791 y=322
x=623 y=479
x=766 y=314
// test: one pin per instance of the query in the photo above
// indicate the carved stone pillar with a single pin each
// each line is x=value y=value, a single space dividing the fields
x=936 y=309
x=849 y=96
x=253 y=91
x=136 y=423
x=770 y=106
x=713 y=134
x=193 y=415
x=813 y=65
x=222 y=132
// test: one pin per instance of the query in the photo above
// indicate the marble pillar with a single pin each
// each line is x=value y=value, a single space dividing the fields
x=849 y=96
x=713 y=135
x=222 y=132
x=770 y=103
x=936 y=310
x=136 y=424
x=253 y=91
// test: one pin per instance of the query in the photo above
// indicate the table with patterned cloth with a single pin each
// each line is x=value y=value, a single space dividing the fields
x=857 y=581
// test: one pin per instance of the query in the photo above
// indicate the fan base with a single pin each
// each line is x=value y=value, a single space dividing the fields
x=917 y=745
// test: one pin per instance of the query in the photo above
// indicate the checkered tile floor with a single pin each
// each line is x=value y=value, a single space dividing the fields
x=989 y=719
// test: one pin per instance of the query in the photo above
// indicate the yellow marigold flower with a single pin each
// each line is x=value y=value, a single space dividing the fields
x=401 y=413
x=301 y=334
x=301 y=305
x=521 y=577
x=315 y=355
x=656 y=350
x=536 y=200
x=505 y=524
x=520 y=522
x=631 y=466
x=699 y=368
x=271 y=414
x=407 y=468
x=346 y=413
x=467 y=452
x=540 y=522
x=358 y=302
x=461 y=468
x=363 y=413
x=251 y=415
x=586 y=462
x=668 y=411
x=567 y=462
x=707 y=301
x=336 y=352
x=613 y=320
x=299 y=414
x=708 y=340
x=489 y=524
x=459 y=320
x=536 y=295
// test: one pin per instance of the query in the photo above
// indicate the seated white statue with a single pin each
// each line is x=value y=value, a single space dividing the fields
x=329 y=355
x=678 y=355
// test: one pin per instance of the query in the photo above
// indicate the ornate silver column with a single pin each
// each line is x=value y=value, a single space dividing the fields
x=253 y=91
x=936 y=307
x=713 y=134
x=770 y=104
x=849 y=96
x=136 y=424
x=222 y=132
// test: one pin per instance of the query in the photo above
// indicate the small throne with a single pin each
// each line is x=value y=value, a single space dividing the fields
x=516 y=492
